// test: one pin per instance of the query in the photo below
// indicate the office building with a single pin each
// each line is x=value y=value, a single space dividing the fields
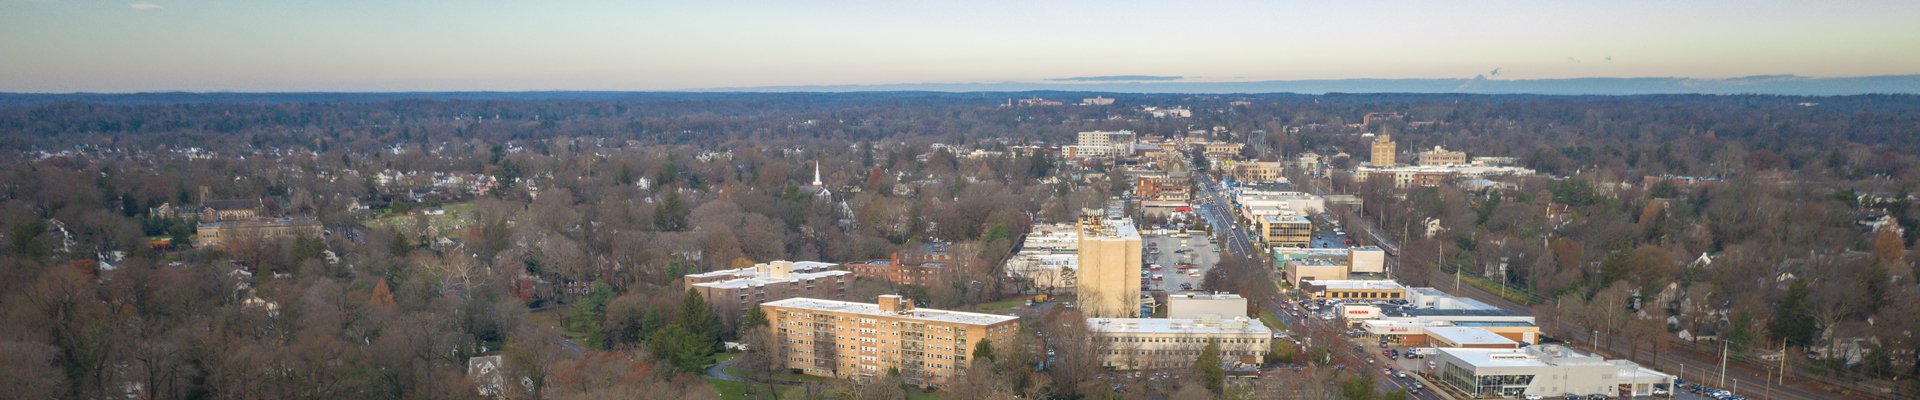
x=1173 y=343
x=1383 y=151
x=734 y=290
x=1285 y=230
x=862 y=341
x=1196 y=304
x=1547 y=370
x=1441 y=156
x=1109 y=267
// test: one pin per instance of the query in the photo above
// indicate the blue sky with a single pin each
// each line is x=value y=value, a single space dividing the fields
x=513 y=45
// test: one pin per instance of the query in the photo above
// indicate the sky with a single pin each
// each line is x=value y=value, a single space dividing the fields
x=522 y=45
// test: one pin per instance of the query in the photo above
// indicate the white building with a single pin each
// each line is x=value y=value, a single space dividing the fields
x=1196 y=304
x=1173 y=343
x=1547 y=370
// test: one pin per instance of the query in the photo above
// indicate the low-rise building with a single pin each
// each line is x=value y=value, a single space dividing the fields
x=1196 y=304
x=218 y=233
x=734 y=290
x=1173 y=343
x=897 y=271
x=1285 y=230
x=1354 y=289
x=1273 y=171
x=1543 y=370
x=1296 y=271
x=863 y=341
x=1468 y=337
x=1441 y=156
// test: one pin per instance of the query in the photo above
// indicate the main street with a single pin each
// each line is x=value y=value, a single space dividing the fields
x=1215 y=207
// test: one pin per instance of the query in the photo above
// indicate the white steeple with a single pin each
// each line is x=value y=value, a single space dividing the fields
x=816 y=173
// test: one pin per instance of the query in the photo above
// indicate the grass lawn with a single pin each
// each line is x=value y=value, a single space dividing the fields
x=990 y=307
x=551 y=319
x=738 y=390
x=1272 y=322
x=735 y=370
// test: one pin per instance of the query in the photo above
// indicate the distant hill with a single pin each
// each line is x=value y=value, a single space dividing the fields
x=1772 y=84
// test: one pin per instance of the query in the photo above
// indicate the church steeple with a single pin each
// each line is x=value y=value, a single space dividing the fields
x=816 y=173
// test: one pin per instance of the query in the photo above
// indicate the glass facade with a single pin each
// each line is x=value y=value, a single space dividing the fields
x=1485 y=385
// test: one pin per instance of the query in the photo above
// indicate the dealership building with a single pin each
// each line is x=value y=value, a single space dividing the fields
x=1547 y=370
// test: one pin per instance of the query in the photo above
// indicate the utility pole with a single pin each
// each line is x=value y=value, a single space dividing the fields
x=1723 y=362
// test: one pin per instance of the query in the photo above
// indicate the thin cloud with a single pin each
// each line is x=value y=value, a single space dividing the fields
x=146 y=6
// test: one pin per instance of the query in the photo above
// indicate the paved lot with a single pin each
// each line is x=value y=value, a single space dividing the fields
x=1197 y=251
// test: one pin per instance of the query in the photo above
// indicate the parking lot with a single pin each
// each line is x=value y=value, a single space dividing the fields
x=1169 y=253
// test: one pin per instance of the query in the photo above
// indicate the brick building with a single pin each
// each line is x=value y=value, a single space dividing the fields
x=736 y=289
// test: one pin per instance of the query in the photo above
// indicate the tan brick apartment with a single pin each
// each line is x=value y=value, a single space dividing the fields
x=861 y=341
x=734 y=290
x=1109 y=267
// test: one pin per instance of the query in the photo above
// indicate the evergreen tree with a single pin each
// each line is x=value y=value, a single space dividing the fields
x=1207 y=368
x=983 y=350
x=755 y=318
x=671 y=214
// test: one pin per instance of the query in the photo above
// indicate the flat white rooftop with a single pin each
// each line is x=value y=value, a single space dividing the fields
x=766 y=280
x=1468 y=336
x=1357 y=284
x=1175 y=326
x=918 y=314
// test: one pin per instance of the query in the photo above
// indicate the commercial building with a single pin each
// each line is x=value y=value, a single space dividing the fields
x=1441 y=156
x=1109 y=267
x=1170 y=343
x=1285 y=230
x=862 y=341
x=1547 y=370
x=1163 y=189
x=1196 y=304
x=1096 y=101
x=1383 y=151
x=1295 y=271
x=1257 y=171
x=736 y=289
x=1407 y=325
x=217 y=233
x=1468 y=337
x=1354 y=289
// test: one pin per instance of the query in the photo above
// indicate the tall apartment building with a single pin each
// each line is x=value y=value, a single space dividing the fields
x=1383 y=150
x=1168 y=343
x=1109 y=263
x=1442 y=156
x=736 y=289
x=861 y=341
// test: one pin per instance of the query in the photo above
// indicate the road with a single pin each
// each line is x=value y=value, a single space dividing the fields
x=1669 y=363
x=1215 y=207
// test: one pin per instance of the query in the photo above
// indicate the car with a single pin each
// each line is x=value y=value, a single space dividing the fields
x=1660 y=392
x=1401 y=374
x=1156 y=277
x=1596 y=396
x=1534 y=397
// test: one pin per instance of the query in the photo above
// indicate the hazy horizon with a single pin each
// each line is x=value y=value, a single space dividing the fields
x=359 y=46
